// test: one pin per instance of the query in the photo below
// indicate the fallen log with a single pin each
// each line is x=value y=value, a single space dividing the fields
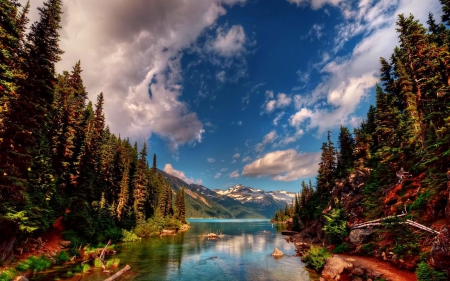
x=118 y=273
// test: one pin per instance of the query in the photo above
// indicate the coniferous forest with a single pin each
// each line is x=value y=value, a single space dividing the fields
x=396 y=163
x=57 y=156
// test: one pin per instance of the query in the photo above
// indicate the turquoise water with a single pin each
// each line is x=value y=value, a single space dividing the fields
x=243 y=253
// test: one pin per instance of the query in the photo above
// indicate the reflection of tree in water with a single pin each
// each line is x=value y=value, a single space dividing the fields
x=280 y=226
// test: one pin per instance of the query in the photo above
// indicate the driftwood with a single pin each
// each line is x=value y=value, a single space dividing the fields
x=102 y=256
x=408 y=222
x=118 y=273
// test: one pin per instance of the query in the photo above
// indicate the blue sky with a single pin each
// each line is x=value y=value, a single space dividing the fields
x=233 y=91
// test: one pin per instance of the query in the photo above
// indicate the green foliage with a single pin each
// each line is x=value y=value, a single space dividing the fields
x=405 y=247
x=341 y=248
x=112 y=263
x=7 y=275
x=85 y=267
x=34 y=263
x=62 y=256
x=74 y=252
x=129 y=236
x=78 y=268
x=316 y=257
x=115 y=234
x=98 y=263
x=336 y=225
x=367 y=249
x=421 y=201
x=69 y=274
x=425 y=273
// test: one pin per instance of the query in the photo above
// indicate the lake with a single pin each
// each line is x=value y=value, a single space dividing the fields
x=243 y=253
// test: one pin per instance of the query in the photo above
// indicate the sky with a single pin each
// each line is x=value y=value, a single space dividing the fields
x=233 y=91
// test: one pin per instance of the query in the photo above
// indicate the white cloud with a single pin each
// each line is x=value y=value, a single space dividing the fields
x=181 y=175
x=281 y=101
x=316 y=32
x=290 y=138
x=284 y=165
x=278 y=118
x=211 y=160
x=221 y=76
x=346 y=81
x=269 y=138
x=246 y=159
x=316 y=4
x=230 y=42
x=132 y=45
x=239 y=123
x=218 y=175
x=237 y=155
x=224 y=169
x=234 y=174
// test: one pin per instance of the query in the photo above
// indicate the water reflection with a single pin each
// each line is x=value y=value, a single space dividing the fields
x=244 y=253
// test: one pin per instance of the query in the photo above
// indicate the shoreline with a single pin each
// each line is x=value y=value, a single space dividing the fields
x=339 y=266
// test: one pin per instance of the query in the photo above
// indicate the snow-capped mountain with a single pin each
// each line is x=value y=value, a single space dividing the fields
x=248 y=194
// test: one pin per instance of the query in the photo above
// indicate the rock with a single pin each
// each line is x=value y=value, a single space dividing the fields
x=277 y=253
x=65 y=244
x=335 y=266
x=359 y=236
x=440 y=253
x=20 y=278
x=358 y=271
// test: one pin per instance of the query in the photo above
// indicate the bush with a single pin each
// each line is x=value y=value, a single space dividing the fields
x=113 y=263
x=341 y=248
x=115 y=234
x=85 y=267
x=63 y=256
x=367 y=249
x=336 y=225
x=316 y=258
x=7 y=275
x=425 y=273
x=34 y=263
x=421 y=201
x=73 y=237
x=74 y=252
x=129 y=236
x=98 y=263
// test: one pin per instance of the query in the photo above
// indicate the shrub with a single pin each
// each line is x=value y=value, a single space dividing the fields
x=7 y=275
x=115 y=234
x=366 y=249
x=421 y=201
x=74 y=252
x=336 y=225
x=63 y=256
x=341 y=248
x=98 y=263
x=112 y=263
x=85 y=268
x=78 y=268
x=129 y=236
x=69 y=274
x=402 y=247
x=73 y=237
x=316 y=257
x=34 y=263
x=425 y=273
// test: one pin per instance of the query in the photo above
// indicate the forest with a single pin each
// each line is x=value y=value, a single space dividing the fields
x=57 y=156
x=396 y=163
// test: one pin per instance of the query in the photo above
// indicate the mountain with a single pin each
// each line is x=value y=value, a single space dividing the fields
x=265 y=203
x=202 y=202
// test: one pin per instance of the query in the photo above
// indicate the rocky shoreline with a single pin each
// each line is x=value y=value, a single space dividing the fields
x=351 y=267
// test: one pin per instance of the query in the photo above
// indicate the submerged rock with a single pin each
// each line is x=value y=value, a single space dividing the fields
x=334 y=267
x=277 y=253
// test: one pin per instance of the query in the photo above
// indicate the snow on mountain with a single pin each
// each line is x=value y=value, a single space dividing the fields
x=248 y=194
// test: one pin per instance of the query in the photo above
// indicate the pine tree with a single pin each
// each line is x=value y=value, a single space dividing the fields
x=140 y=186
x=346 y=147
x=154 y=163
x=327 y=166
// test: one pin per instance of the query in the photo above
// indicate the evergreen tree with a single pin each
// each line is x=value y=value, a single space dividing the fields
x=346 y=146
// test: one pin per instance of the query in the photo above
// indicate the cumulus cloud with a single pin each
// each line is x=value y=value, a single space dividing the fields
x=346 y=81
x=230 y=42
x=211 y=160
x=269 y=138
x=237 y=155
x=282 y=100
x=284 y=165
x=181 y=175
x=131 y=52
x=234 y=174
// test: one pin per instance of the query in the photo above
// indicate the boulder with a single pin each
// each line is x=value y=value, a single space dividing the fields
x=335 y=266
x=65 y=244
x=440 y=253
x=358 y=271
x=277 y=253
x=360 y=236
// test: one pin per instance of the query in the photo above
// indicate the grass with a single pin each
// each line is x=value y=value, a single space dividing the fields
x=113 y=263
x=34 y=263
x=7 y=275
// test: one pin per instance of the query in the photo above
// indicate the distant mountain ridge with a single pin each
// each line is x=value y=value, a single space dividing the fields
x=238 y=201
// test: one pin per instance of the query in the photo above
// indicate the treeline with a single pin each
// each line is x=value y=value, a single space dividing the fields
x=57 y=156
x=403 y=143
